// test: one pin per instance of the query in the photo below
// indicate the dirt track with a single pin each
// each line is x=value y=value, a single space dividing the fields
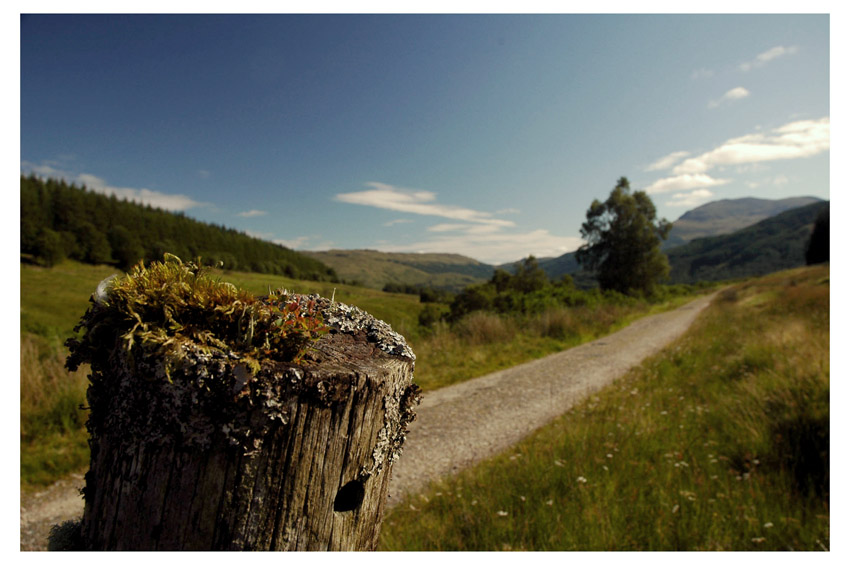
x=460 y=425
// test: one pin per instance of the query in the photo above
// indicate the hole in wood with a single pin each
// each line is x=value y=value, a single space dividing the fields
x=349 y=497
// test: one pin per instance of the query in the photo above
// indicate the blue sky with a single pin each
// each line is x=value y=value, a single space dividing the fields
x=485 y=135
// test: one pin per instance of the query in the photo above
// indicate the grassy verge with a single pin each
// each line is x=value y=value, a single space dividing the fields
x=53 y=437
x=719 y=443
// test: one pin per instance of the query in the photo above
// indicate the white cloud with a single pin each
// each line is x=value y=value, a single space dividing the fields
x=172 y=202
x=667 y=161
x=204 y=174
x=769 y=55
x=684 y=182
x=493 y=248
x=736 y=93
x=795 y=140
x=421 y=202
x=252 y=213
x=465 y=228
x=691 y=199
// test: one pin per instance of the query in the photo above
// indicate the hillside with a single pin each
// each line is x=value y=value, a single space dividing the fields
x=716 y=218
x=61 y=221
x=375 y=269
x=728 y=216
x=771 y=245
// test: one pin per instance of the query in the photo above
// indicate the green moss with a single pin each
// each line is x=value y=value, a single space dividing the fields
x=158 y=308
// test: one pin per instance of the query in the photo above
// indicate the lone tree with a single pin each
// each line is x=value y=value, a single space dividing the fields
x=624 y=242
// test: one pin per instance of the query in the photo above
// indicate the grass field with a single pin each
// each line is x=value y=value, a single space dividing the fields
x=719 y=443
x=53 y=437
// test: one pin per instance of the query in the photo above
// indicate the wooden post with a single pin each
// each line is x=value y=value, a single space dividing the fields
x=294 y=457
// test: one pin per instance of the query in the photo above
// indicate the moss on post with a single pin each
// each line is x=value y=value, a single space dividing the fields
x=224 y=421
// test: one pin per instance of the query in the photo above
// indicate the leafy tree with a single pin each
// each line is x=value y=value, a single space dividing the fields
x=529 y=276
x=818 y=248
x=50 y=247
x=624 y=242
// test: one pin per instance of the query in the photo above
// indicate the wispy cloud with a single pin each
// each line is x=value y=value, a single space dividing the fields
x=736 y=93
x=473 y=233
x=252 y=213
x=795 y=140
x=297 y=243
x=684 y=182
x=667 y=161
x=691 y=199
x=398 y=221
x=769 y=55
x=420 y=202
x=493 y=248
x=302 y=242
x=165 y=201
x=700 y=74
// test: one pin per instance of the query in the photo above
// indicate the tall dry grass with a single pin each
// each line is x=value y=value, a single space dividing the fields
x=721 y=442
x=53 y=438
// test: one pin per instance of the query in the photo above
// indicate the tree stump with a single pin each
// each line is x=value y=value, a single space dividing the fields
x=296 y=456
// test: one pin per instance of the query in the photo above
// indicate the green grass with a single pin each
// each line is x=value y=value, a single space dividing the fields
x=53 y=437
x=719 y=443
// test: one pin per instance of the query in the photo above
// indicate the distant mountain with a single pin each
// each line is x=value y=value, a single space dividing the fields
x=728 y=216
x=771 y=245
x=376 y=269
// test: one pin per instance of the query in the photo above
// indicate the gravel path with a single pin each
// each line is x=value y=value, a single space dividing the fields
x=462 y=424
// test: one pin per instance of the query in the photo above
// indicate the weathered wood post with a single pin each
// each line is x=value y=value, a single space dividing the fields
x=199 y=446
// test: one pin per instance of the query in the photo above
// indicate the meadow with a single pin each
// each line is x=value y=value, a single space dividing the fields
x=721 y=442
x=53 y=436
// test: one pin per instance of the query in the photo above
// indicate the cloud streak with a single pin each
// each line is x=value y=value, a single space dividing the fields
x=769 y=55
x=691 y=199
x=667 y=161
x=252 y=213
x=684 y=182
x=420 y=202
x=736 y=93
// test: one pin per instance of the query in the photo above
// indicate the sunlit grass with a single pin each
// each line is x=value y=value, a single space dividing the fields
x=719 y=443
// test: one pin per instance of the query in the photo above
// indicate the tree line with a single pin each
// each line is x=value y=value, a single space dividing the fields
x=60 y=220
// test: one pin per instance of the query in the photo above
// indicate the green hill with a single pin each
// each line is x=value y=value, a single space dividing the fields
x=376 y=269
x=771 y=245
x=63 y=221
